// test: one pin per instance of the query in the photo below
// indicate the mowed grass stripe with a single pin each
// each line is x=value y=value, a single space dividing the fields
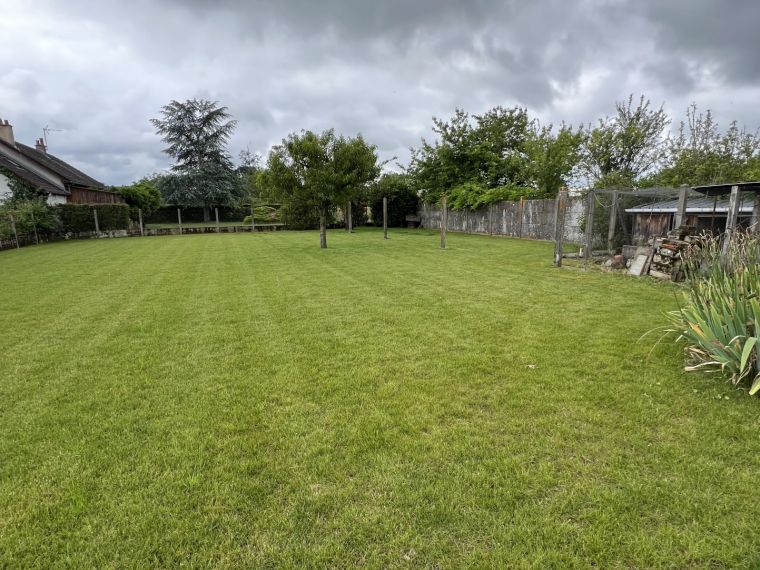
x=249 y=400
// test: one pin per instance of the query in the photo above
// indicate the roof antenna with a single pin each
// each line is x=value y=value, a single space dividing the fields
x=46 y=129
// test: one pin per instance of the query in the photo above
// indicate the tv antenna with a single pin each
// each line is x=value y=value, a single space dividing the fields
x=46 y=129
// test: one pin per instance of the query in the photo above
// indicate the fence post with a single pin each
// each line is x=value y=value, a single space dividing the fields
x=444 y=222
x=522 y=210
x=385 y=217
x=253 y=219
x=613 y=222
x=349 y=219
x=216 y=215
x=681 y=211
x=590 y=204
x=15 y=234
x=733 y=212
x=95 y=216
x=179 y=220
x=559 y=226
x=140 y=219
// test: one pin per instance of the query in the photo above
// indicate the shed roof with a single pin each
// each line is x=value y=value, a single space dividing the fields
x=721 y=189
x=700 y=205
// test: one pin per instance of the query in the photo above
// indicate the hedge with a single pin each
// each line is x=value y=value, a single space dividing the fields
x=77 y=218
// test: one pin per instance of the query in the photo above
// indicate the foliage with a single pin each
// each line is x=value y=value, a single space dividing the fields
x=487 y=151
x=196 y=132
x=552 y=158
x=623 y=148
x=264 y=213
x=402 y=199
x=701 y=154
x=21 y=191
x=318 y=172
x=720 y=320
x=30 y=216
x=142 y=195
x=76 y=218
x=500 y=155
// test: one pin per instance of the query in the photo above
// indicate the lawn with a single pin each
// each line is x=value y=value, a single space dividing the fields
x=249 y=400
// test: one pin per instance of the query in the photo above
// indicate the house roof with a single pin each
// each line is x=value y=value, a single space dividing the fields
x=30 y=177
x=69 y=174
x=694 y=205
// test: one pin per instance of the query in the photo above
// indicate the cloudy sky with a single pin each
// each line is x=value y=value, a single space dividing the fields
x=98 y=71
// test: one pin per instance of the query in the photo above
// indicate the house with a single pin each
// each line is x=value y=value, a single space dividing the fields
x=60 y=182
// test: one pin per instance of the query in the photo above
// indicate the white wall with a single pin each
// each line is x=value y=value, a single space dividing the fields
x=54 y=199
x=5 y=189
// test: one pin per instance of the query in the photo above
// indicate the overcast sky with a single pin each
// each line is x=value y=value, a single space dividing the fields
x=98 y=71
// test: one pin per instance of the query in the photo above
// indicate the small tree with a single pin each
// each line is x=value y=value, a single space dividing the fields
x=319 y=172
x=197 y=132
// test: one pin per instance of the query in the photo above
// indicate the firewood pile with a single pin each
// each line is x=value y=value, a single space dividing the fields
x=661 y=258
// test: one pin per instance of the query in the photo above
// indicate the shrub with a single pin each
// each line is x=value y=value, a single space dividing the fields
x=720 y=319
x=142 y=195
x=30 y=216
x=77 y=218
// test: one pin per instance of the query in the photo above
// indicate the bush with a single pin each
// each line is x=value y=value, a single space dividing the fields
x=720 y=320
x=142 y=195
x=77 y=218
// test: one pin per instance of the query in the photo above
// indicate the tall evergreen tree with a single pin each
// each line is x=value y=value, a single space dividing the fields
x=197 y=132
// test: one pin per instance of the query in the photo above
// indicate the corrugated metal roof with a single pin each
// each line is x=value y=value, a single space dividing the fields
x=702 y=205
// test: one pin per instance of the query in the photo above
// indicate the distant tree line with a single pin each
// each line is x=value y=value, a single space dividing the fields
x=474 y=160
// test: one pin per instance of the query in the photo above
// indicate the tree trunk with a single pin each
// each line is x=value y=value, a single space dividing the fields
x=206 y=213
x=349 y=218
x=323 y=228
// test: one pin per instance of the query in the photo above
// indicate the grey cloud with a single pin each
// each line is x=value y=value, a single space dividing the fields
x=100 y=70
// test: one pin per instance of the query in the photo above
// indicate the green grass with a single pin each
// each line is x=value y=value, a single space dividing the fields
x=248 y=400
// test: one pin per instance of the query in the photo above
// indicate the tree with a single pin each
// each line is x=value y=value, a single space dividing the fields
x=701 y=154
x=622 y=149
x=552 y=158
x=473 y=156
x=141 y=195
x=319 y=172
x=197 y=132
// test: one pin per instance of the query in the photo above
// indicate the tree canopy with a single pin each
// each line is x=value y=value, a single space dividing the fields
x=319 y=172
